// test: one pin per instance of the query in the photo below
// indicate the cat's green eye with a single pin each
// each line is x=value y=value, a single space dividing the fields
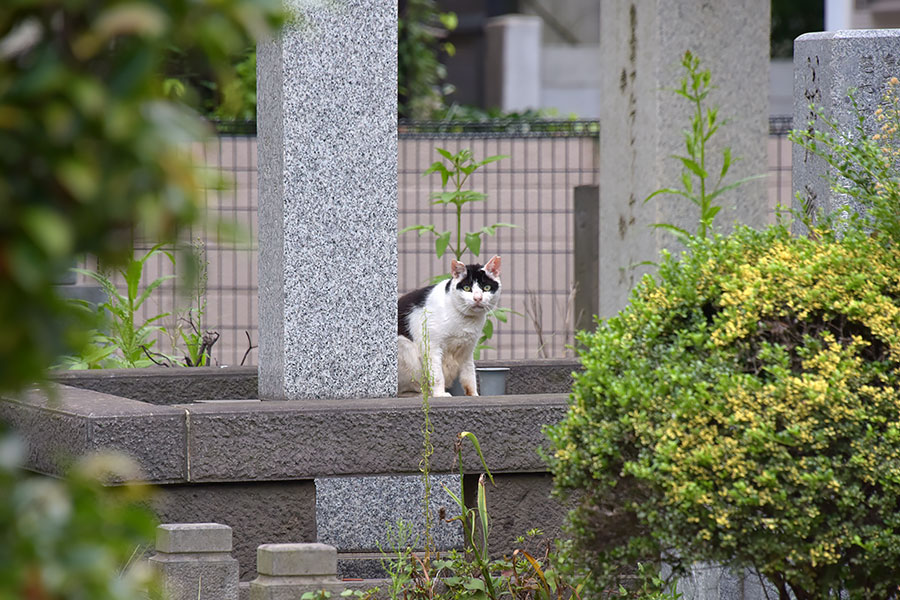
x=487 y=287
x=467 y=288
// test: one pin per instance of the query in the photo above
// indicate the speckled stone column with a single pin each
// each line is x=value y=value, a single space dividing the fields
x=642 y=120
x=327 y=113
x=826 y=67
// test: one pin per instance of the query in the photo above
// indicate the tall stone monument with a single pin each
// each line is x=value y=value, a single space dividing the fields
x=826 y=67
x=327 y=113
x=642 y=43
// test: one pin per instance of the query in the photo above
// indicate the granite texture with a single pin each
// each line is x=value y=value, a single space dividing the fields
x=193 y=537
x=355 y=513
x=160 y=385
x=258 y=513
x=328 y=204
x=826 y=67
x=641 y=45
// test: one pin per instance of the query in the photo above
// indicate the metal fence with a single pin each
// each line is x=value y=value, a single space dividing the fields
x=531 y=189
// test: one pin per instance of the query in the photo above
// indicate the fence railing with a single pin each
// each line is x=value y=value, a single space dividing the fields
x=532 y=189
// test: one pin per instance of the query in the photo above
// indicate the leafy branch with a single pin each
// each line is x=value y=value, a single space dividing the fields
x=696 y=177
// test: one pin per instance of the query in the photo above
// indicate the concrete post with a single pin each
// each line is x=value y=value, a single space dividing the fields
x=512 y=69
x=826 y=67
x=641 y=45
x=327 y=134
x=286 y=571
x=586 y=255
x=195 y=562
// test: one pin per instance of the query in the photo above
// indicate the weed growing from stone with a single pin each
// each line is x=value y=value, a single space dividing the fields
x=699 y=183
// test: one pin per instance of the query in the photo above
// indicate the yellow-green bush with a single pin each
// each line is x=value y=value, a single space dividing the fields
x=744 y=409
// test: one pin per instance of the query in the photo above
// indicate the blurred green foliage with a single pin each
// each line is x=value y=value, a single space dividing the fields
x=73 y=538
x=420 y=73
x=91 y=145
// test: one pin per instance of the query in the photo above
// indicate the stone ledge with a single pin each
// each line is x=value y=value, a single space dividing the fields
x=72 y=422
x=167 y=386
x=160 y=385
x=278 y=441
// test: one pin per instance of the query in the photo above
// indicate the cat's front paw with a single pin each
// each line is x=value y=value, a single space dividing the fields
x=440 y=393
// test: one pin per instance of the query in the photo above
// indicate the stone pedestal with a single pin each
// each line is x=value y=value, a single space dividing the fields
x=327 y=105
x=360 y=516
x=826 y=67
x=287 y=571
x=195 y=562
x=642 y=120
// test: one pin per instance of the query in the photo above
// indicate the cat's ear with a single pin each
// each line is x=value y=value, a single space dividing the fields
x=457 y=269
x=492 y=267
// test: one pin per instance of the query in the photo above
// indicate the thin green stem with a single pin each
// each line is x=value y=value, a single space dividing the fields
x=704 y=200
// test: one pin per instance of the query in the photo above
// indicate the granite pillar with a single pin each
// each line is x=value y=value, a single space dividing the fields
x=327 y=106
x=642 y=44
x=826 y=67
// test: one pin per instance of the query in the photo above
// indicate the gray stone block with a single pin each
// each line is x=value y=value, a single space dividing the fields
x=356 y=513
x=286 y=571
x=71 y=422
x=276 y=440
x=193 y=537
x=160 y=385
x=518 y=503
x=308 y=560
x=200 y=577
x=193 y=563
x=826 y=67
x=328 y=203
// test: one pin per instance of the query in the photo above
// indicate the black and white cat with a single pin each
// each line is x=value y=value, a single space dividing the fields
x=454 y=314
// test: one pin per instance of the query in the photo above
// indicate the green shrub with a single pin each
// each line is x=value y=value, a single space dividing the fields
x=743 y=409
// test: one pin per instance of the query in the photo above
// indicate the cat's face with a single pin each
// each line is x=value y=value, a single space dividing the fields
x=475 y=289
